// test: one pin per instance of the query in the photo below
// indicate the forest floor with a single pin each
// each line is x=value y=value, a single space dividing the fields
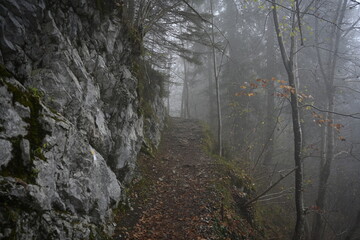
x=184 y=193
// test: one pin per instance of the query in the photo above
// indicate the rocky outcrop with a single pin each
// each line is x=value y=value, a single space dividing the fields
x=70 y=117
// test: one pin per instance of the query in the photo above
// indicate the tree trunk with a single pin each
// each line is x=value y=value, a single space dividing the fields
x=182 y=108
x=328 y=155
x=168 y=101
x=324 y=175
x=219 y=123
x=270 y=121
x=211 y=90
x=169 y=86
x=187 y=95
x=186 y=107
x=299 y=198
x=289 y=66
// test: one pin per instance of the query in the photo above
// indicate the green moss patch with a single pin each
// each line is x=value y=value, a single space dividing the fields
x=275 y=220
x=235 y=220
x=36 y=134
x=4 y=72
x=208 y=139
x=234 y=188
x=147 y=148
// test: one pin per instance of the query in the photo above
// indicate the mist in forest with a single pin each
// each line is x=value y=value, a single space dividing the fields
x=263 y=138
x=278 y=84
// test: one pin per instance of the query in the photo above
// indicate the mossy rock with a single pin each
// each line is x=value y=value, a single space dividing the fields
x=4 y=73
x=36 y=134
x=147 y=148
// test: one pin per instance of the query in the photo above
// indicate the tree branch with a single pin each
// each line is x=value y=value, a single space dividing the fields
x=280 y=39
x=269 y=188
x=304 y=13
x=353 y=115
x=299 y=21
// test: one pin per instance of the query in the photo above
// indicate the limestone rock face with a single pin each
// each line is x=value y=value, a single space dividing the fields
x=70 y=125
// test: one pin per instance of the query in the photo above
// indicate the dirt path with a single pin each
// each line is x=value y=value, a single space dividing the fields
x=181 y=202
x=184 y=194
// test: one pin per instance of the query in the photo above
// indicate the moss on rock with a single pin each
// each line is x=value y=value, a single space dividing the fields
x=35 y=134
x=4 y=72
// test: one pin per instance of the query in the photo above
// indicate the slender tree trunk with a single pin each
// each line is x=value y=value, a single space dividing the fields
x=317 y=224
x=289 y=66
x=169 y=85
x=187 y=107
x=187 y=100
x=182 y=108
x=324 y=175
x=218 y=103
x=168 y=98
x=186 y=112
x=329 y=77
x=168 y=102
x=297 y=128
x=299 y=197
x=210 y=90
x=270 y=66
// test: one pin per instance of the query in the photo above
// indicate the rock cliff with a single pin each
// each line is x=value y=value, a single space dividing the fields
x=71 y=118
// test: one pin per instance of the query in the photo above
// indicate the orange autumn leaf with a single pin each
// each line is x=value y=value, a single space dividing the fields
x=337 y=126
x=288 y=88
x=282 y=95
x=253 y=85
x=315 y=115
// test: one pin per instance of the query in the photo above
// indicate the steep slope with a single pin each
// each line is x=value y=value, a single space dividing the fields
x=187 y=194
x=71 y=123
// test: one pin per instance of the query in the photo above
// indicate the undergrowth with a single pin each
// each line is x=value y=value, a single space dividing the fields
x=235 y=186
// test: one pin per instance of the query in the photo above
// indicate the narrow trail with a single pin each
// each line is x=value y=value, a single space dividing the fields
x=184 y=194
x=181 y=201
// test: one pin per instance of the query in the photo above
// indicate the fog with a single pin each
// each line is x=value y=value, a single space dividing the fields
x=237 y=45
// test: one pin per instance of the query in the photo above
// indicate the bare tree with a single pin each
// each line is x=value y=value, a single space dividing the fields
x=288 y=61
x=216 y=77
x=328 y=75
x=270 y=67
x=185 y=109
